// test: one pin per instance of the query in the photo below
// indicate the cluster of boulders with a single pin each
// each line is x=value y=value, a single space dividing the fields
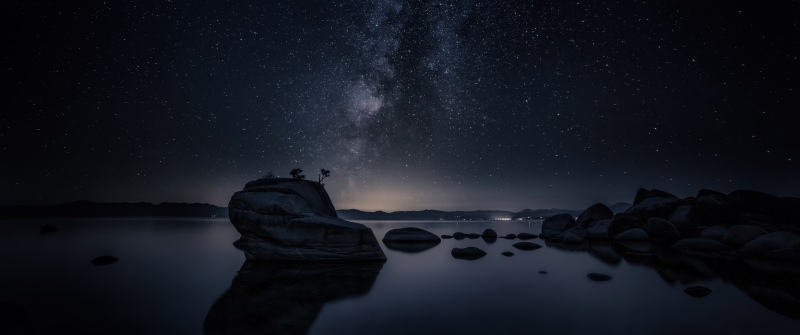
x=413 y=239
x=748 y=222
x=489 y=235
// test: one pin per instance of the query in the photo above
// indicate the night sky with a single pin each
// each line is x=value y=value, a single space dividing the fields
x=452 y=105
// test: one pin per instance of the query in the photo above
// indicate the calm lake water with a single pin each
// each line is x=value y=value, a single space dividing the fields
x=179 y=276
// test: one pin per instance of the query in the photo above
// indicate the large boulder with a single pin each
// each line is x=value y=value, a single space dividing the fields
x=777 y=245
x=680 y=218
x=282 y=219
x=555 y=225
x=660 y=228
x=574 y=235
x=595 y=212
x=598 y=230
x=624 y=221
x=643 y=194
x=660 y=207
x=742 y=234
x=410 y=239
x=714 y=233
x=712 y=209
x=410 y=235
x=636 y=234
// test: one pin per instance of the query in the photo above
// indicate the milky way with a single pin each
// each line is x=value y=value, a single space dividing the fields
x=410 y=104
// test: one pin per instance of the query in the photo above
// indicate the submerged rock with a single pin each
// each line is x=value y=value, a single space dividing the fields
x=510 y=236
x=507 y=253
x=526 y=246
x=447 y=236
x=459 y=235
x=473 y=236
x=543 y=272
x=697 y=291
x=598 y=277
x=526 y=236
x=287 y=220
x=104 y=260
x=468 y=253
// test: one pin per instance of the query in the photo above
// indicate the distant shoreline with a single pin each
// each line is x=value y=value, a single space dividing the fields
x=87 y=209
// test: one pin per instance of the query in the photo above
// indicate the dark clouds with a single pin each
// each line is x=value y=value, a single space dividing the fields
x=411 y=104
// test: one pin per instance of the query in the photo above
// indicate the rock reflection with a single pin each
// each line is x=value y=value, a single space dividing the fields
x=285 y=298
x=773 y=284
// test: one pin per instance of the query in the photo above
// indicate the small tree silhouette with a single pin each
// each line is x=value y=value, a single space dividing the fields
x=269 y=175
x=322 y=175
x=296 y=174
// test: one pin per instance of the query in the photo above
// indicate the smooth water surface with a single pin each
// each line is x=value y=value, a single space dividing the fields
x=179 y=276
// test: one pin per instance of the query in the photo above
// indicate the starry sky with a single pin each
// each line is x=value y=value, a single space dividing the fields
x=451 y=105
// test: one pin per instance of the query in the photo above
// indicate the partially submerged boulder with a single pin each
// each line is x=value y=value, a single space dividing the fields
x=555 y=225
x=595 y=212
x=777 y=245
x=598 y=230
x=468 y=253
x=410 y=239
x=281 y=219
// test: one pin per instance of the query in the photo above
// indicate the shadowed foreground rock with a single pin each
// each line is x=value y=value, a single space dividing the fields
x=282 y=219
x=269 y=298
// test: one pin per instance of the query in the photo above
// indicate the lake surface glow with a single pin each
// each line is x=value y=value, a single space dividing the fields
x=179 y=276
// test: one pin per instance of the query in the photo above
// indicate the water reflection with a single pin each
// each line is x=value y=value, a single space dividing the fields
x=285 y=298
x=773 y=284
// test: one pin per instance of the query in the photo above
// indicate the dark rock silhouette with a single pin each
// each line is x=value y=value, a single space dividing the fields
x=509 y=236
x=281 y=219
x=598 y=277
x=447 y=236
x=410 y=235
x=104 y=260
x=410 y=239
x=697 y=291
x=468 y=253
x=285 y=298
x=555 y=225
x=526 y=246
x=489 y=236
x=526 y=236
x=594 y=213
x=507 y=253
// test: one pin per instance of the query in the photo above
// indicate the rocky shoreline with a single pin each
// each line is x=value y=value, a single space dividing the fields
x=743 y=223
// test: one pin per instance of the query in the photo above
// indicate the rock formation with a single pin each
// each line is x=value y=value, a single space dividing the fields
x=281 y=219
